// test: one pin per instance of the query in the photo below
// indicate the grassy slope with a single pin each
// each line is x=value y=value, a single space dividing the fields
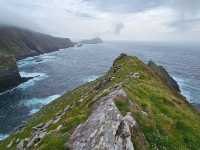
x=23 y=43
x=164 y=116
x=7 y=62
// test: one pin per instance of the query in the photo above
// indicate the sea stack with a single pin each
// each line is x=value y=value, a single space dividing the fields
x=9 y=73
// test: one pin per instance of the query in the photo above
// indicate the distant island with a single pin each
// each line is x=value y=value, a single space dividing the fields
x=18 y=43
x=92 y=41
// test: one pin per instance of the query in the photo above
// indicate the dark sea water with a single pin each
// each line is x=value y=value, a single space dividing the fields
x=58 y=72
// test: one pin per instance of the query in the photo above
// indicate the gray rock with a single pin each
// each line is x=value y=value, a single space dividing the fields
x=59 y=127
x=56 y=120
x=10 y=144
x=81 y=100
x=21 y=145
x=67 y=109
x=17 y=141
x=135 y=75
x=47 y=125
x=35 y=139
x=39 y=126
x=106 y=128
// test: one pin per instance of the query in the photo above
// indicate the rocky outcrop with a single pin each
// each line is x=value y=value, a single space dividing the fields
x=23 y=43
x=160 y=70
x=9 y=74
x=39 y=132
x=106 y=128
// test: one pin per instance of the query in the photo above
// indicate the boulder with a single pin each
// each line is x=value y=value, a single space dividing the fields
x=10 y=144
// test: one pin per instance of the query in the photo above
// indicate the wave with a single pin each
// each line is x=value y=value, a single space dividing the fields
x=3 y=136
x=31 y=82
x=35 y=60
x=35 y=104
x=91 y=78
x=182 y=84
x=35 y=77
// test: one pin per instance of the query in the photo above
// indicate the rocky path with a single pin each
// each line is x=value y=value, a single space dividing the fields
x=106 y=128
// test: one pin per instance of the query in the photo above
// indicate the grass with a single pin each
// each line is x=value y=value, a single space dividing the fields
x=166 y=121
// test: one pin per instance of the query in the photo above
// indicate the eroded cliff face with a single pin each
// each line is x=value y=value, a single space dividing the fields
x=9 y=73
x=106 y=128
x=161 y=71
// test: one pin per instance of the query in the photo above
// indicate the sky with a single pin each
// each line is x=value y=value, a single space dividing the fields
x=133 y=20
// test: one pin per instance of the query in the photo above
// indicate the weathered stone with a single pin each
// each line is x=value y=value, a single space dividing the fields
x=56 y=120
x=103 y=83
x=47 y=124
x=144 y=113
x=130 y=121
x=135 y=75
x=35 y=139
x=105 y=129
x=59 y=127
x=19 y=128
x=17 y=141
x=21 y=145
x=81 y=100
x=67 y=109
x=38 y=126
x=59 y=114
x=10 y=144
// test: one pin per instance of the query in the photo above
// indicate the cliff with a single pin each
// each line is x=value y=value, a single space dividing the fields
x=130 y=107
x=9 y=74
x=164 y=75
x=23 y=43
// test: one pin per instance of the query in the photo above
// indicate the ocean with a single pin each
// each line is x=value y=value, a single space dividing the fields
x=57 y=72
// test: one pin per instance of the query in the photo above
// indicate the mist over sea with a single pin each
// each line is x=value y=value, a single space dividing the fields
x=57 y=72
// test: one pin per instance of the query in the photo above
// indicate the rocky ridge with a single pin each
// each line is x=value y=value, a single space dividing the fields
x=131 y=107
x=106 y=128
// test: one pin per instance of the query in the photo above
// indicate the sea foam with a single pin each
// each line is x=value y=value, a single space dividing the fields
x=3 y=136
x=35 y=104
x=31 y=82
x=90 y=78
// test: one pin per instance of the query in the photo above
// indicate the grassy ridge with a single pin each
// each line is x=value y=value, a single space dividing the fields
x=164 y=116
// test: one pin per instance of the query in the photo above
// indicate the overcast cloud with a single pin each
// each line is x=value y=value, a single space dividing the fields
x=156 y=20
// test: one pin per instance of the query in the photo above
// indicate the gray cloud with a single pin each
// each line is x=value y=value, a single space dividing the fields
x=186 y=11
x=125 y=6
x=81 y=14
x=70 y=17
